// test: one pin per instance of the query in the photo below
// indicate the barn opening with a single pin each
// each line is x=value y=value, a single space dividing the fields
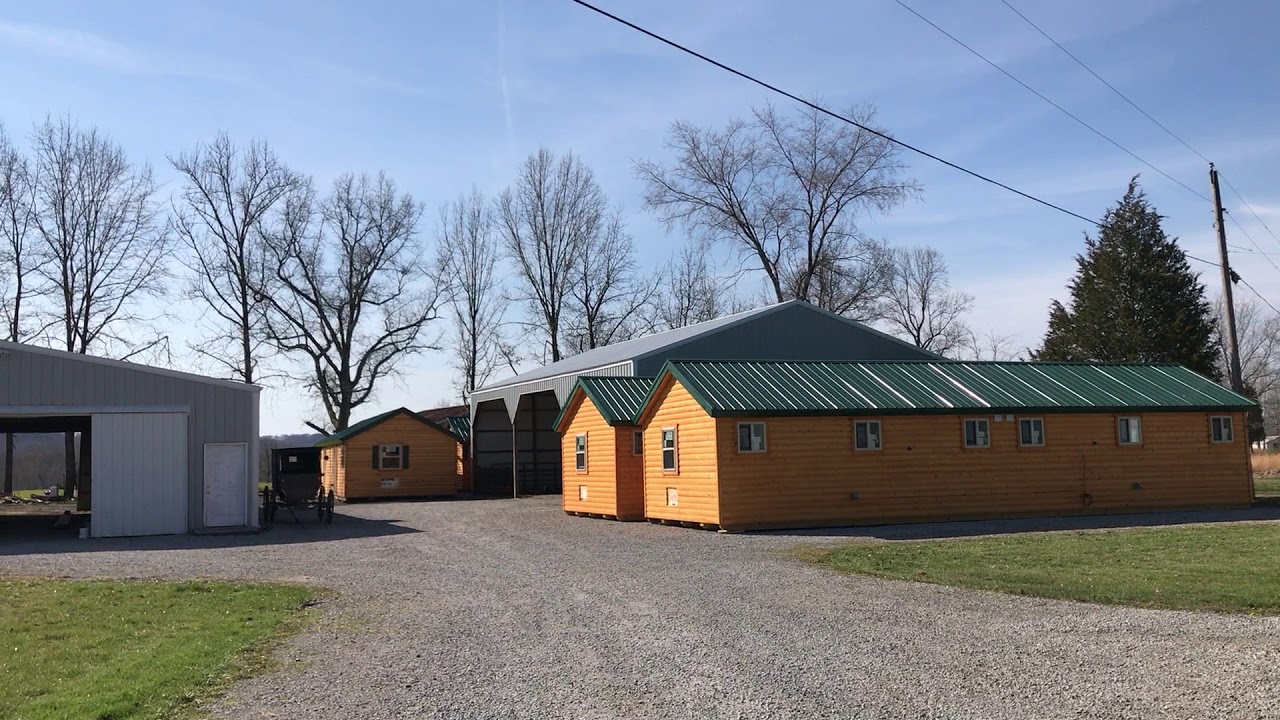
x=40 y=486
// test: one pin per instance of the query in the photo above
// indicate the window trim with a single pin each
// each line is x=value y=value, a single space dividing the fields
x=583 y=452
x=1141 y=436
x=382 y=456
x=1230 y=425
x=637 y=442
x=964 y=433
x=764 y=437
x=675 y=450
x=879 y=435
x=1032 y=420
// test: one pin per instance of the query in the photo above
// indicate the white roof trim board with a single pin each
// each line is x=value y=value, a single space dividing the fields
x=7 y=347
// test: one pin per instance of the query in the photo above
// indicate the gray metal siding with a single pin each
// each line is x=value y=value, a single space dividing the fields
x=217 y=412
x=793 y=333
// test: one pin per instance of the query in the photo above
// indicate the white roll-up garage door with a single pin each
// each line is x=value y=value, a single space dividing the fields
x=140 y=474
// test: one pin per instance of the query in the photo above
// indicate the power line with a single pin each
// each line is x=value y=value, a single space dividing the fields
x=1102 y=80
x=1250 y=208
x=1259 y=295
x=830 y=113
x=1045 y=98
x=818 y=108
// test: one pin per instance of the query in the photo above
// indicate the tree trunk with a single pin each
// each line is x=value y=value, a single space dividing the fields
x=8 y=463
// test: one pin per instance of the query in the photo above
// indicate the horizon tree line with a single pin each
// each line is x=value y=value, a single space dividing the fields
x=336 y=288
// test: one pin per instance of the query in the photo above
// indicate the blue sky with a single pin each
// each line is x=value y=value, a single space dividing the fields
x=442 y=95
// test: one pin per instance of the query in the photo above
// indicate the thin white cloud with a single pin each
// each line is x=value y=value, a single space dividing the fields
x=502 y=78
x=77 y=46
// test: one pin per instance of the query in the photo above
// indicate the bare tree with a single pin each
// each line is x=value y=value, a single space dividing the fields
x=608 y=291
x=220 y=214
x=104 y=243
x=554 y=210
x=103 y=248
x=17 y=218
x=987 y=346
x=920 y=303
x=347 y=295
x=1258 y=337
x=691 y=292
x=786 y=192
x=467 y=259
x=17 y=235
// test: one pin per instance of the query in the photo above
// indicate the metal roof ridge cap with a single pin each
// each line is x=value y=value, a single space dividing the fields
x=127 y=365
x=495 y=388
x=742 y=317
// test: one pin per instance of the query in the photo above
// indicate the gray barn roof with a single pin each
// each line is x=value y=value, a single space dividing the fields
x=792 y=330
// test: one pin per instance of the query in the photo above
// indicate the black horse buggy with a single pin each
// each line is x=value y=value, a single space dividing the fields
x=295 y=485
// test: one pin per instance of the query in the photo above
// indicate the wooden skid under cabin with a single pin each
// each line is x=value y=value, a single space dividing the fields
x=393 y=455
x=751 y=445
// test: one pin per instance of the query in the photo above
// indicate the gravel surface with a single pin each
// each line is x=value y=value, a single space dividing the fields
x=510 y=609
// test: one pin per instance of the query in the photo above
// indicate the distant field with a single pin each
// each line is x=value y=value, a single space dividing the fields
x=1230 y=568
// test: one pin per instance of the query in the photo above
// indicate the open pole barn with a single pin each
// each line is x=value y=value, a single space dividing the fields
x=161 y=451
x=515 y=448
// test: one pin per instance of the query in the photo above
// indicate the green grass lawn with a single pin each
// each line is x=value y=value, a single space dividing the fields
x=1220 y=568
x=1266 y=486
x=114 y=650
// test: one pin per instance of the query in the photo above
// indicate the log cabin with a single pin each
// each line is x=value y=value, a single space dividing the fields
x=753 y=445
x=395 y=454
x=602 y=448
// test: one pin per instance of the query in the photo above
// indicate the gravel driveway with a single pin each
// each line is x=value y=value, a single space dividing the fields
x=510 y=609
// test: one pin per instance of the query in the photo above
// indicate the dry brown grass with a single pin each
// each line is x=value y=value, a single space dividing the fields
x=1264 y=462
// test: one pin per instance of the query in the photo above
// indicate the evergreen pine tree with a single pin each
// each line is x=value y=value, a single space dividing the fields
x=1134 y=297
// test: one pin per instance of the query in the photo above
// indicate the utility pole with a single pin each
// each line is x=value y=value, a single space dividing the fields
x=1228 y=277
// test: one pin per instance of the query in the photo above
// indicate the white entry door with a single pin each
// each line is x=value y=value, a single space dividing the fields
x=226 y=478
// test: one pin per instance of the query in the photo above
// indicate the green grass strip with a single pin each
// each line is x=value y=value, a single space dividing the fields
x=1230 y=568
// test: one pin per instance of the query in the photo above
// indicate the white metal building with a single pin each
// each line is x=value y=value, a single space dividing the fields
x=164 y=452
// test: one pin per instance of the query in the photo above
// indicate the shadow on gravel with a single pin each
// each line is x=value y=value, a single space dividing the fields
x=42 y=539
x=979 y=528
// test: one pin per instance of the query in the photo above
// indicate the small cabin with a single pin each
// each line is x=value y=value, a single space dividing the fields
x=744 y=445
x=602 y=448
x=395 y=454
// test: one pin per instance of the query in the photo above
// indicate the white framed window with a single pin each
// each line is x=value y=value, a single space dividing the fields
x=580 y=453
x=389 y=457
x=1129 y=430
x=1031 y=432
x=637 y=443
x=977 y=433
x=1220 y=429
x=751 y=437
x=670 y=462
x=866 y=435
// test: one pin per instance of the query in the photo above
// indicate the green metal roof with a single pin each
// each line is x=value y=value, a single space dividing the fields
x=619 y=399
x=460 y=426
x=342 y=436
x=903 y=388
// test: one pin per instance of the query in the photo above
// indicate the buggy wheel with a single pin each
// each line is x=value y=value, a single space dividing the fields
x=320 y=505
x=328 y=520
